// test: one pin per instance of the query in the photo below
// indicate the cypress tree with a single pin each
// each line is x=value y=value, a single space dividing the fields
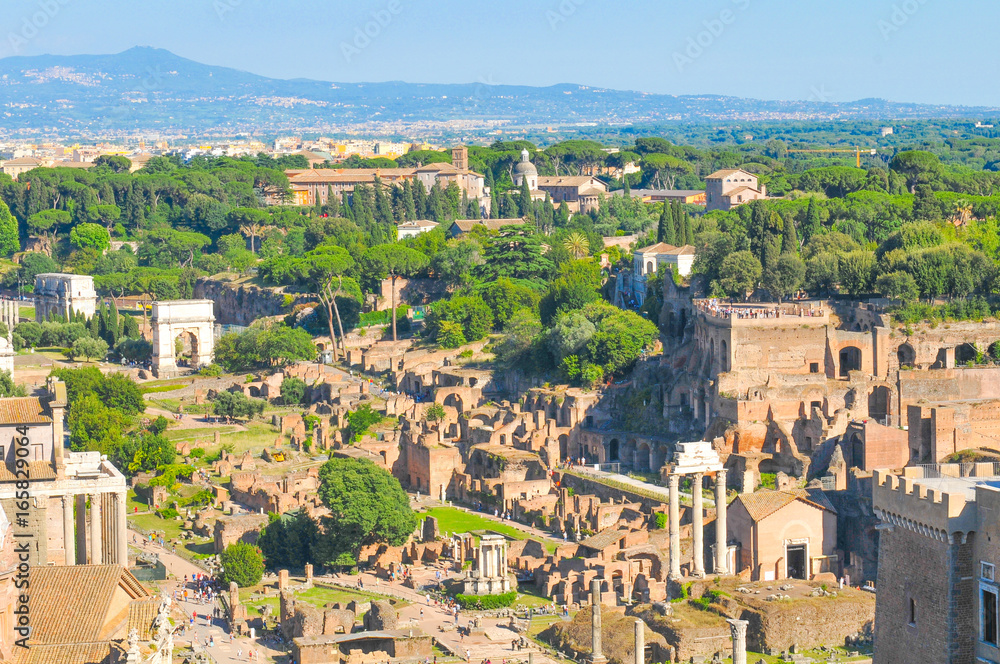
x=409 y=207
x=811 y=224
x=113 y=324
x=625 y=186
x=421 y=210
x=688 y=230
x=346 y=208
x=789 y=239
x=524 y=205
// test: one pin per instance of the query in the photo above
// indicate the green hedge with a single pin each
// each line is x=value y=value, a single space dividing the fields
x=486 y=602
x=382 y=317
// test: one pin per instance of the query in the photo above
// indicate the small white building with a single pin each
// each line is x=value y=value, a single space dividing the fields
x=646 y=263
x=414 y=228
x=649 y=259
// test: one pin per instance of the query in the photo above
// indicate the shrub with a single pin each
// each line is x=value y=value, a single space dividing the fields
x=486 y=602
x=661 y=520
x=212 y=370
x=243 y=564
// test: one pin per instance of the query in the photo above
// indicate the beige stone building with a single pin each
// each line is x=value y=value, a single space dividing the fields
x=731 y=187
x=784 y=534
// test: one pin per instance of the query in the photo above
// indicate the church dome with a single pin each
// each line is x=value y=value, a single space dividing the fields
x=525 y=167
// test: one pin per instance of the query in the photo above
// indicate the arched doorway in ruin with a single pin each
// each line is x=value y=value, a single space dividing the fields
x=850 y=360
x=613 y=450
x=186 y=348
x=906 y=355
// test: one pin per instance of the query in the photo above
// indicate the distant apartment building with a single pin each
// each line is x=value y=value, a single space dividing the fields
x=886 y=131
x=16 y=167
x=938 y=597
x=730 y=188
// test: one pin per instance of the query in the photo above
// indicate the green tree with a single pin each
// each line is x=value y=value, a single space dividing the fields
x=236 y=405
x=87 y=347
x=395 y=260
x=242 y=564
x=450 y=335
x=10 y=241
x=898 y=285
x=856 y=271
x=367 y=506
x=739 y=274
x=361 y=420
x=516 y=253
x=93 y=426
x=293 y=391
x=87 y=235
x=434 y=412
x=811 y=224
x=786 y=277
x=122 y=393
x=8 y=388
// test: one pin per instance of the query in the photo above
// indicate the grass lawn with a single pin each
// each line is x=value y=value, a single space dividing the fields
x=132 y=501
x=26 y=312
x=152 y=522
x=318 y=596
x=540 y=623
x=454 y=520
x=529 y=598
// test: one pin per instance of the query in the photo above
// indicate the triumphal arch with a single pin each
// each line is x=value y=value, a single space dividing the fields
x=183 y=335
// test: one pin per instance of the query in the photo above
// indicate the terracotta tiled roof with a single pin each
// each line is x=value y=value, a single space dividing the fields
x=75 y=653
x=466 y=225
x=739 y=190
x=569 y=181
x=661 y=248
x=141 y=615
x=37 y=471
x=23 y=410
x=762 y=504
x=70 y=604
x=726 y=172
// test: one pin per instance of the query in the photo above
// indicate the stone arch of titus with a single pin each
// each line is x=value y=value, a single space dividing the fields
x=193 y=320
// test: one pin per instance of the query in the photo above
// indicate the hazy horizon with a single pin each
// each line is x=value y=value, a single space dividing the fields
x=907 y=51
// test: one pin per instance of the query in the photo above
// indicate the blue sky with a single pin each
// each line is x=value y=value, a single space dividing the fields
x=928 y=51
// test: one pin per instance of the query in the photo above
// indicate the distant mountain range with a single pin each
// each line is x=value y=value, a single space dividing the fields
x=148 y=90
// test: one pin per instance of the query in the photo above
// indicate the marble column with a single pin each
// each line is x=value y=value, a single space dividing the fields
x=721 y=537
x=674 y=523
x=597 y=654
x=739 y=632
x=640 y=643
x=698 y=525
x=81 y=529
x=96 y=531
x=121 y=527
x=69 y=534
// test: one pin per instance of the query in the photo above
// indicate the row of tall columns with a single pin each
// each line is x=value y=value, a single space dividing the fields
x=108 y=541
x=698 y=525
